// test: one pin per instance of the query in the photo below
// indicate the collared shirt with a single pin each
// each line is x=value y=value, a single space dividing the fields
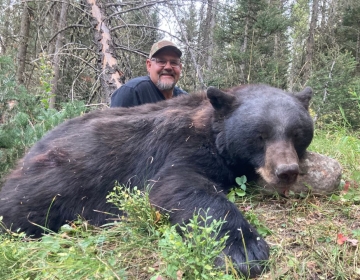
x=139 y=91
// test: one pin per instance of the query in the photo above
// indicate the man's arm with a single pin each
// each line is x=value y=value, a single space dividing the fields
x=124 y=97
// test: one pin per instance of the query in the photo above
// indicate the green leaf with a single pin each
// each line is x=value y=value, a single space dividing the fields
x=231 y=196
x=241 y=180
x=356 y=233
x=240 y=192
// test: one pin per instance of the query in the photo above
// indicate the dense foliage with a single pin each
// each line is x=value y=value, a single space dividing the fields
x=25 y=117
x=288 y=44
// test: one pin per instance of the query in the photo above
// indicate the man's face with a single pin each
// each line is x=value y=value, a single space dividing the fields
x=165 y=76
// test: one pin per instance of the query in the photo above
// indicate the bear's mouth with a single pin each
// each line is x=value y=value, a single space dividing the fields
x=271 y=180
x=271 y=188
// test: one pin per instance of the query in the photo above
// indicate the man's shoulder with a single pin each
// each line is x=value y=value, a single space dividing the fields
x=178 y=91
x=128 y=94
x=137 y=82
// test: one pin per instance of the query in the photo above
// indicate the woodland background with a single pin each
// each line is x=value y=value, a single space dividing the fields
x=59 y=48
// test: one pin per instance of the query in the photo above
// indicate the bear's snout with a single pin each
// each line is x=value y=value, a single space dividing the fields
x=281 y=167
x=287 y=173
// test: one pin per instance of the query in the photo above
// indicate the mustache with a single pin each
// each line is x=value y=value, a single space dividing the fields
x=167 y=73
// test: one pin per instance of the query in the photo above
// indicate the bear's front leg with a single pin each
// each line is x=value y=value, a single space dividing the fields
x=182 y=192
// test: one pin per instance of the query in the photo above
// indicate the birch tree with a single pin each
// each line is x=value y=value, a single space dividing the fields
x=110 y=75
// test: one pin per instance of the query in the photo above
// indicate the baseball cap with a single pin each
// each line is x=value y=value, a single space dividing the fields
x=162 y=45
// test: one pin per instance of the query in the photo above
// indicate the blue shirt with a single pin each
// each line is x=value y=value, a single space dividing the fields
x=139 y=91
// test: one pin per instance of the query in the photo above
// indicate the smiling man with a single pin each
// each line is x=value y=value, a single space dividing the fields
x=164 y=68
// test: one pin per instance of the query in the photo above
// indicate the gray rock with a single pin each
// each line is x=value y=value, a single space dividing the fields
x=319 y=174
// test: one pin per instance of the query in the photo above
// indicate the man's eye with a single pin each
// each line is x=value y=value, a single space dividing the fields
x=174 y=63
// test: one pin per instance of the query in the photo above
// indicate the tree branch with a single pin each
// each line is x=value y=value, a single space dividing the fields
x=184 y=35
x=139 y=52
x=137 y=8
x=144 y=26
x=67 y=27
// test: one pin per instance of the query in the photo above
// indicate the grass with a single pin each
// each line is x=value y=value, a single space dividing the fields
x=310 y=238
x=337 y=142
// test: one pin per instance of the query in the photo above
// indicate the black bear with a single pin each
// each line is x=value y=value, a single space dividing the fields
x=190 y=148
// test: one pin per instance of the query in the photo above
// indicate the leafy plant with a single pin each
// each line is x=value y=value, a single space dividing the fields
x=261 y=228
x=25 y=118
x=135 y=204
x=240 y=190
x=353 y=195
x=46 y=73
x=25 y=128
x=79 y=256
x=356 y=233
x=194 y=252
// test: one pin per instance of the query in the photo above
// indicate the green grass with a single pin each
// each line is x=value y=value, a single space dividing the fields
x=303 y=235
x=77 y=254
x=339 y=143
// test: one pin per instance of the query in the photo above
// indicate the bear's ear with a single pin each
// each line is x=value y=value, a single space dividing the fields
x=220 y=100
x=305 y=96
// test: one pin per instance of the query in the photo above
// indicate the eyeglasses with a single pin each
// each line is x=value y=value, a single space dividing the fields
x=162 y=62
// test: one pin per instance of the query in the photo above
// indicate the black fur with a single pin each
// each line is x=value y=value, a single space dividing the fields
x=189 y=148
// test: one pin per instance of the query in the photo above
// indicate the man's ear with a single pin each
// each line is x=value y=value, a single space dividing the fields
x=148 y=65
x=304 y=96
x=220 y=100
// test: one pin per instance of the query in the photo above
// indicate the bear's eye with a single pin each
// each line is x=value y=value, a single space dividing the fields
x=296 y=134
x=262 y=136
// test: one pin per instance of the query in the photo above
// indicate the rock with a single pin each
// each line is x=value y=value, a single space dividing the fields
x=319 y=174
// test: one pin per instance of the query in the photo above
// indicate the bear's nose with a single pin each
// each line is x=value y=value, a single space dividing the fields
x=287 y=173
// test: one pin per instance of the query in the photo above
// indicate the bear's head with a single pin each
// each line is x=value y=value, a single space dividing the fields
x=261 y=130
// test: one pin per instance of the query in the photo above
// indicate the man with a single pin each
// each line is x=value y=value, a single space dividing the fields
x=164 y=68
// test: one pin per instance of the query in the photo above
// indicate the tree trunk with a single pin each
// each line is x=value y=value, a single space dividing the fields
x=5 y=29
x=202 y=31
x=54 y=29
x=357 y=56
x=58 y=46
x=210 y=25
x=110 y=75
x=23 y=43
x=310 y=43
x=243 y=49
x=323 y=11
